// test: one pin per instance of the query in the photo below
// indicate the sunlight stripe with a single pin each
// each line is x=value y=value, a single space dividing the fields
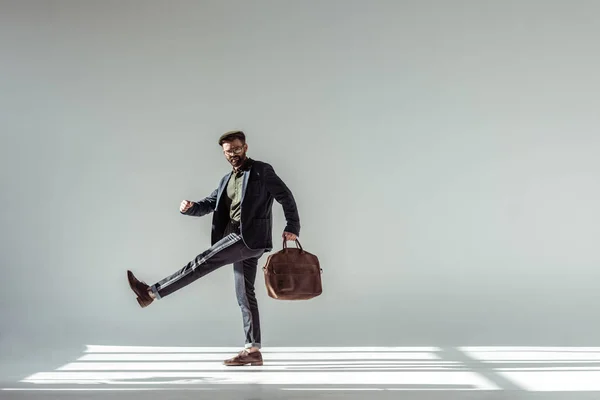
x=213 y=366
x=278 y=378
x=164 y=349
x=266 y=357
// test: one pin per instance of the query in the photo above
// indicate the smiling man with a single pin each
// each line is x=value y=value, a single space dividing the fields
x=241 y=208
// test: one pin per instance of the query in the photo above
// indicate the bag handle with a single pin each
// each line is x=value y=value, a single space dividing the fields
x=297 y=244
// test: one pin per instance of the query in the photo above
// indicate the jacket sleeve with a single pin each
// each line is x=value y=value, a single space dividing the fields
x=284 y=196
x=204 y=206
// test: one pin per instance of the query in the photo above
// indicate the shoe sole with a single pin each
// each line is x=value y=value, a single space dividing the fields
x=253 y=364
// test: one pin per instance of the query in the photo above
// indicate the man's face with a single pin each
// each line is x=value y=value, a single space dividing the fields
x=235 y=152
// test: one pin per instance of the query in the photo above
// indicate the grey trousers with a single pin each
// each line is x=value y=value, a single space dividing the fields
x=229 y=250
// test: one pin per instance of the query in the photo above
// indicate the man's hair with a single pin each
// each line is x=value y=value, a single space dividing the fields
x=231 y=136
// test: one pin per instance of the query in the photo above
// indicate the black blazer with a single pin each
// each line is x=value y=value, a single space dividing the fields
x=260 y=187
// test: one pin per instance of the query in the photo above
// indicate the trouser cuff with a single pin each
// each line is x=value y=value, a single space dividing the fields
x=155 y=291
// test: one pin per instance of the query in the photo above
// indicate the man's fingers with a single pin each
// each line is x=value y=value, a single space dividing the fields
x=289 y=236
x=185 y=205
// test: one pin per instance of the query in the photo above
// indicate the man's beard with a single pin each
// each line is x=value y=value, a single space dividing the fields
x=236 y=161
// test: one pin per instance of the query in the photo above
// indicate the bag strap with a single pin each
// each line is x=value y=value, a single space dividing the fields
x=297 y=244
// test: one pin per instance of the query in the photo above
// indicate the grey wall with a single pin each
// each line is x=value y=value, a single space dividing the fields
x=444 y=156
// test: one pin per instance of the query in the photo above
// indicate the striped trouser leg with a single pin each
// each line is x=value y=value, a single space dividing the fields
x=245 y=277
x=226 y=251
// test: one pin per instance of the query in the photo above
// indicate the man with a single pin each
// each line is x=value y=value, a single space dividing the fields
x=241 y=233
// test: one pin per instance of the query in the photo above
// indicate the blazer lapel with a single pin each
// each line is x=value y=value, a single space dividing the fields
x=245 y=183
x=246 y=177
x=222 y=188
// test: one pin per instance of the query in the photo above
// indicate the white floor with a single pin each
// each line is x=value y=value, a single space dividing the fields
x=313 y=372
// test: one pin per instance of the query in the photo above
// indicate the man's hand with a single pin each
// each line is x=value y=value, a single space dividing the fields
x=289 y=236
x=185 y=205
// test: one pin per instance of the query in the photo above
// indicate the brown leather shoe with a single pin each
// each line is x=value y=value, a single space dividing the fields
x=140 y=289
x=244 y=357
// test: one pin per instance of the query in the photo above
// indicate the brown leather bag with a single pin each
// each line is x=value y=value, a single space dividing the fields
x=293 y=274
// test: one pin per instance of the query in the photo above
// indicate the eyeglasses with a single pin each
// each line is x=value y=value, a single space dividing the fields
x=234 y=151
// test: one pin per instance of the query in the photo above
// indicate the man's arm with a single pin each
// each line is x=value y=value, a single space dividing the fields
x=202 y=207
x=284 y=196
